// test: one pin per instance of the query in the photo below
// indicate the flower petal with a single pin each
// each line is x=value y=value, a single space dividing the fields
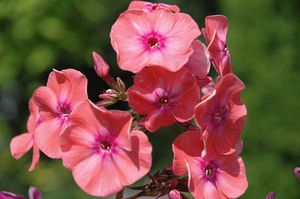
x=21 y=144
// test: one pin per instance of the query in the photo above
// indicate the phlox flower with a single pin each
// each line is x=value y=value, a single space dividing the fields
x=160 y=38
x=215 y=35
x=102 y=153
x=164 y=96
x=210 y=174
x=64 y=91
x=149 y=7
x=222 y=114
x=21 y=144
x=33 y=193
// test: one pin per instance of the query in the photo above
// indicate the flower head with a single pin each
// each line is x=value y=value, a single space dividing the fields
x=158 y=38
x=164 y=96
x=21 y=144
x=222 y=114
x=102 y=153
x=215 y=35
x=64 y=91
x=211 y=175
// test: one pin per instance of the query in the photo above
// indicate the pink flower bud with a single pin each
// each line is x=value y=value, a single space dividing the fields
x=175 y=194
x=100 y=66
x=271 y=195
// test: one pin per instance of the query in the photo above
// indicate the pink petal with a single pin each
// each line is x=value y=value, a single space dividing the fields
x=199 y=63
x=34 y=117
x=231 y=178
x=77 y=144
x=186 y=29
x=21 y=144
x=139 y=159
x=186 y=146
x=47 y=137
x=220 y=56
x=35 y=157
x=215 y=24
x=69 y=85
x=46 y=100
x=159 y=118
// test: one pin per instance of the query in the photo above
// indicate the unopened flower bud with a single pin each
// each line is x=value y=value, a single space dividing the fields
x=110 y=94
x=271 y=195
x=175 y=194
x=100 y=66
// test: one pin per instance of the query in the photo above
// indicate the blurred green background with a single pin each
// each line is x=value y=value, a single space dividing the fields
x=264 y=41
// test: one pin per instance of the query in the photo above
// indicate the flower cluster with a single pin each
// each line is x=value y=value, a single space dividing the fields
x=172 y=84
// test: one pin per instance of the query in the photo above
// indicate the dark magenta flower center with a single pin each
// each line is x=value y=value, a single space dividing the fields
x=210 y=171
x=105 y=145
x=164 y=100
x=153 y=42
x=220 y=115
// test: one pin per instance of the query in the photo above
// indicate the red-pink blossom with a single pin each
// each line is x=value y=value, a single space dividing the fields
x=160 y=38
x=215 y=35
x=164 y=96
x=222 y=114
x=211 y=175
x=149 y=7
x=21 y=144
x=64 y=91
x=102 y=153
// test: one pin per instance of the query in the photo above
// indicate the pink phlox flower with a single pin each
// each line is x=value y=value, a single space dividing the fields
x=215 y=35
x=64 y=91
x=33 y=193
x=102 y=153
x=164 y=96
x=222 y=114
x=211 y=175
x=159 y=38
x=149 y=7
x=21 y=144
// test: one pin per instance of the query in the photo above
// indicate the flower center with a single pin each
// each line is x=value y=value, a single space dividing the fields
x=153 y=42
x=164 y=100
x=220 y=115
x=105 y=145
x=210 y=171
